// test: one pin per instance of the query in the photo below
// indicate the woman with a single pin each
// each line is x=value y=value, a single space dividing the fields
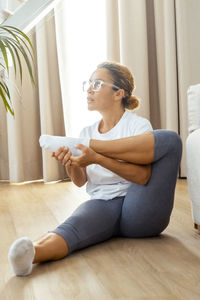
x=130 y=171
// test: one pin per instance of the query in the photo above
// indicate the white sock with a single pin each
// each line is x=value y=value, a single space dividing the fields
x=52 y=143
x=21 y=255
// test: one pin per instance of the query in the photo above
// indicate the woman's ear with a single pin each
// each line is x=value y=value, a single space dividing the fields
x=120 y=94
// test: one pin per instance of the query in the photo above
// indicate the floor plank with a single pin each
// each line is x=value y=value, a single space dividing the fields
x=164 y=267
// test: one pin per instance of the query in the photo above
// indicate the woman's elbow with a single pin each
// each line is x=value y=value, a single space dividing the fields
x=147 y=175
x=144 y=177
x=80 y=183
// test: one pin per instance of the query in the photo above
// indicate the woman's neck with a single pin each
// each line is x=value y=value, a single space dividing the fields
x=110 y=120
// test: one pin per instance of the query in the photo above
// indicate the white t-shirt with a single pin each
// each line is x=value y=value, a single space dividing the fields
x=102 y=183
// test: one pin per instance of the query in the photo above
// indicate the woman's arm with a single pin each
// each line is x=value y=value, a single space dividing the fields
x=77 y=174
x=132 y=172
x=135 y=173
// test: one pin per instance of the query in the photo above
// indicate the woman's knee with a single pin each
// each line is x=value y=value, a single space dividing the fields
x=146 y=210
x=92 y=222
x=167 y=141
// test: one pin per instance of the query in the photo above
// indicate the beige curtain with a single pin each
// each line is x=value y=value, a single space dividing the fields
x=158 y=40
x=38 y=110
x=56 y=104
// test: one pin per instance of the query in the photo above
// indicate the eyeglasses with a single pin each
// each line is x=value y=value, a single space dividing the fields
x=96 y=85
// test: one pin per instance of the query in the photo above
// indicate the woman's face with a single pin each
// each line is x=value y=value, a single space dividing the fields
x=103 y=99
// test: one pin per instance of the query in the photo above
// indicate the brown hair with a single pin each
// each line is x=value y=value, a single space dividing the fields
x=122 y=78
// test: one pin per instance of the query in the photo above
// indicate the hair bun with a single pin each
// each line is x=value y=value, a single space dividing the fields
x=131 y=102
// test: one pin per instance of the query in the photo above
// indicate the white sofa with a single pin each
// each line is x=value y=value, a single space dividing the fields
x=193 y=152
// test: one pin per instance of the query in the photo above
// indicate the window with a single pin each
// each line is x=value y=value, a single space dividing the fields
x=84 y=37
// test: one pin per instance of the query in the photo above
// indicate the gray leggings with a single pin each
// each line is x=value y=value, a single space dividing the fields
x=144 y=211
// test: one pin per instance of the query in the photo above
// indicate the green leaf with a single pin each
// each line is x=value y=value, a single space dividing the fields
x=12 y=54
x=19 y=41
x=8 y=93
x=21 y=49
x=6 y=104
x=3 y=50
x=18 y=58
x=3 y=98
x=22 y=34
x=19 y=63
x=28 y=65
x=15 y=42
x=11 y=33
x=5 y=88
x=25 y=44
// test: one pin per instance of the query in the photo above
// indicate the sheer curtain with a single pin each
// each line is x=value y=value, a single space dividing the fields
x=156 y=39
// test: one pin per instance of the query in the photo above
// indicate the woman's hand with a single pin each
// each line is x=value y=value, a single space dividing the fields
x=75 y=172
x=87 y=157
x=63 y=156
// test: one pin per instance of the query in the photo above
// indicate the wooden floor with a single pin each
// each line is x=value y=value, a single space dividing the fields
x=165 y=267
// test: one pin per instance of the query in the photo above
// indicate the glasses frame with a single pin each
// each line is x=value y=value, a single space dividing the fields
x=91 y=84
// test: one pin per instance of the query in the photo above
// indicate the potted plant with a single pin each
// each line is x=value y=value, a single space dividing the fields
x=14 y=45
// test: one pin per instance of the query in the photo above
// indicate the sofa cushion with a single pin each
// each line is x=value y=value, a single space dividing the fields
x=193 y=97
x=193 y=172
